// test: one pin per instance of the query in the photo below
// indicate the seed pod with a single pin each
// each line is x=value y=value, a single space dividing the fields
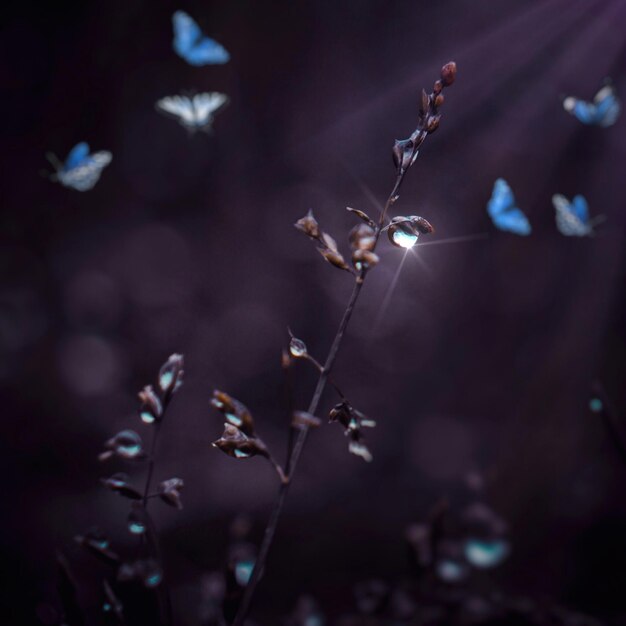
x=448 y=73
x=364 y=259
x=309 y=226
x=119 y=483
x=235 y=443
x=151 y=408
x=234 y=411
x=171 y=375
x=364 y=216
x=362 y=237
x=169 y=491
x=334 y=258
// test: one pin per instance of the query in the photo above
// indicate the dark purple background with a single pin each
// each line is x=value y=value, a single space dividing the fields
x=486 y=354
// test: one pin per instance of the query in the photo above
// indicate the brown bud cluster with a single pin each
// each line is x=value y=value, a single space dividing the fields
x=405 y=151
x=237 y=444
x=326 y=245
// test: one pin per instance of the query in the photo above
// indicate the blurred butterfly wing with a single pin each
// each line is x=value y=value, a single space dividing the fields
x=580 y=208
x=567 y=220
x=206 y=104
x=501 y=199
x=192 y=45
x=503 y=212
x=609 y=109
x=513 y=221
x=76 y=156
x=181 y=107
x=84 y=176
x=585 y=112
x=186 y=33
x=207 y=52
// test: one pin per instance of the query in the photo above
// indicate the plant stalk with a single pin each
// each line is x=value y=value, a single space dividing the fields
x=298 y=446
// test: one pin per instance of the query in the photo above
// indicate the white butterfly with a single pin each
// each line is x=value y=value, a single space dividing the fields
x=196 y=112
x=81 y=170
x=572 y=218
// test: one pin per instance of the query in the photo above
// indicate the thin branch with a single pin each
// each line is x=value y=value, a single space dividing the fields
x=405 y=153
x=270 y=530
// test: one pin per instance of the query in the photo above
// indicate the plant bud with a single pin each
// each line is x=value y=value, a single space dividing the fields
x=448 y=73
x=309 y=226
x=364 y=259
x=234 y=411
x=362 y=237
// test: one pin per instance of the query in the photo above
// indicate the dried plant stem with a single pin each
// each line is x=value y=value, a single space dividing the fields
x=298 y=446
x=163 y=594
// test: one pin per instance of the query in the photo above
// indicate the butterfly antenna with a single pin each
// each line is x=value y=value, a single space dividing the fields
x=54 y=161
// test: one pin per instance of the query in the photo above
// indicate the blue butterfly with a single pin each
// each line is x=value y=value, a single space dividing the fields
x=81 y=170
x=603 y=111
x=503 y=212
x=192 y=45
x=572 y=218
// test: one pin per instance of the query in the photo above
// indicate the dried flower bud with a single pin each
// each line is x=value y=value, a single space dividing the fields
x=334 y=258
x=433 y=123
x=169 y=491
x=448 y=73
x=151 y=408
x=98 y=544
x=362 y=237
x=439 y=99
x=171 y=375
x=138 y=520
x=147 y=571
x=437 y=87
x=302 y=420
x=119 y=484
x=364 y=259
x=364 y=216
x=126 y=444
x=297 y=348
x=234 y=411
x=309 y=226
x=235 y=443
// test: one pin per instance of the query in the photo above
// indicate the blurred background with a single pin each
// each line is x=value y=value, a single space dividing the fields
x=483 y=361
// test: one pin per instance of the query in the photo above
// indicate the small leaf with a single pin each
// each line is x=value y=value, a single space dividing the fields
x=364 y=216
x=404 y=154
x=169 y=491
x=171 y=374
x=126 y=444
x=234 y=411
x=96 y=543
x=151 y=408
x=236 y=444
x=334 y=258
x=119 y=484
x=360 y=449
x=309 y=226
x=302 y=420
